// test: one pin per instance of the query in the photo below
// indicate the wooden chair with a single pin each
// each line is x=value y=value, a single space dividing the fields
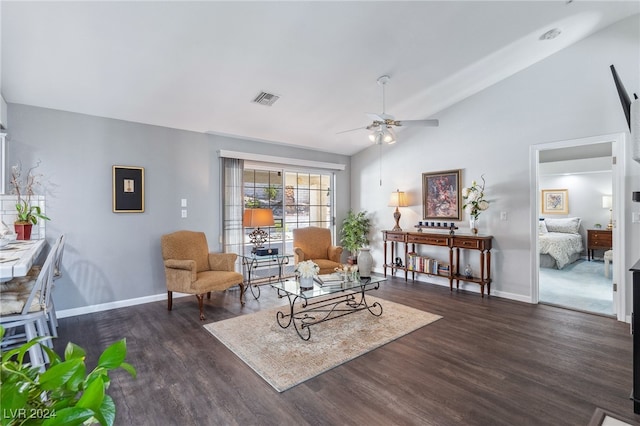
x=24 y=306
x=190 y=268
x=314 y=244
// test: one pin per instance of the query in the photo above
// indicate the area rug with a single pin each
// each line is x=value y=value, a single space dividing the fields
x=284 y=360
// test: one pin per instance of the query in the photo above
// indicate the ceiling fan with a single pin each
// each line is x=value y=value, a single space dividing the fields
x=381 y=128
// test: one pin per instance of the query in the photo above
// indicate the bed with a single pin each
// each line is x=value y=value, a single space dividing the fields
x=559 y=242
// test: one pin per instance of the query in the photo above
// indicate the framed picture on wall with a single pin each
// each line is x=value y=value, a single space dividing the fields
x=555 y=201
x=128 y=189
x=441 y=195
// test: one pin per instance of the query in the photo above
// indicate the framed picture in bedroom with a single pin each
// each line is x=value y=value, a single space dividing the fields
x=128 y=189
x=555 y=201
x=441 y=195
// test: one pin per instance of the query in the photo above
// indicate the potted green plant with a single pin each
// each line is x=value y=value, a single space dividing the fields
x=62 y=394
x=354 y=233
x=28 y=214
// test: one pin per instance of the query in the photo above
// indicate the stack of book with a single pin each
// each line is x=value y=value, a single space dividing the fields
x=426 y=265
x=328 y=279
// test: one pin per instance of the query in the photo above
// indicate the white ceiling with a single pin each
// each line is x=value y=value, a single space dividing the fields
x=198 y=65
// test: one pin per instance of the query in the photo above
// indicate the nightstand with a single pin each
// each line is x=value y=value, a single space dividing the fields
x=598 y=239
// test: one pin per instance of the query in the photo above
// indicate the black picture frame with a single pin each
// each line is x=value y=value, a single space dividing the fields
x=128 y=189
x=441 y=195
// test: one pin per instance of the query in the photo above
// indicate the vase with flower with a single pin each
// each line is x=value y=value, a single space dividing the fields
x=474 y=203
x=306 y=271
x=27 y=214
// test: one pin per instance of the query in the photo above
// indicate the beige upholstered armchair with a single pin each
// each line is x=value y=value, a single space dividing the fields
x=190 y=268
x=315 y=244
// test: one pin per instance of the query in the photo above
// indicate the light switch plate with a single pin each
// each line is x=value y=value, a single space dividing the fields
x=635 y=217
x=183 y=202
x=184 y=213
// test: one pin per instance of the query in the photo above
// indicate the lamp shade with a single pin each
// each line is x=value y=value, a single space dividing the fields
x=255 y=218
x=606 y=201
x=398 y=199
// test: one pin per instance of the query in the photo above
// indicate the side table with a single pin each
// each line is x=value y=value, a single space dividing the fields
x=259 y=270
x=598 y=239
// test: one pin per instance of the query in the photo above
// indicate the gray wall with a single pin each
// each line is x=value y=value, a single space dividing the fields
x=111 y=257
x=569 y=95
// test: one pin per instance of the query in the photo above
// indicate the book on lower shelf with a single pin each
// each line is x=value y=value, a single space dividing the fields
x=426 y=265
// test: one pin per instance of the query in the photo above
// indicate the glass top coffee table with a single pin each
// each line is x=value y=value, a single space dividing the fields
x=330 y=300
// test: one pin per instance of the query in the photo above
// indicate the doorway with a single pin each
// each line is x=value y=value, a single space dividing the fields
x=583 y=175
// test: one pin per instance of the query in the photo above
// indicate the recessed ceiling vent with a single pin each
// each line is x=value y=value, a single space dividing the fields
x=266 y=99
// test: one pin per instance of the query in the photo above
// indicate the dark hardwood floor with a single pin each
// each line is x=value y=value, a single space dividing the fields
x=489 y=361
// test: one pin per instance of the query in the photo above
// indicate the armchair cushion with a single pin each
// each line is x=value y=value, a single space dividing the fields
x=187 y=245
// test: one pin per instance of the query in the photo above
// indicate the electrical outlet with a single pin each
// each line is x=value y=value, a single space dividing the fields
x=503 y=215
x=184 y=213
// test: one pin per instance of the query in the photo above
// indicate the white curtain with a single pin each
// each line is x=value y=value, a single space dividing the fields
x=232 y=190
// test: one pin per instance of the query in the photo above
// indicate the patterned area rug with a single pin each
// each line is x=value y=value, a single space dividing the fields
x=284 y=360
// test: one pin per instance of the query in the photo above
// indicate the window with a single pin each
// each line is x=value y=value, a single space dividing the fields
x=299 y=199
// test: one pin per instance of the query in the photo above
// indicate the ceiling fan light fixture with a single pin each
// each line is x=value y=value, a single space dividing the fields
x=388 y=135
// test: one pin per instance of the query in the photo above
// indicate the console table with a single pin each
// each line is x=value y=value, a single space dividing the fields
x=453 y=244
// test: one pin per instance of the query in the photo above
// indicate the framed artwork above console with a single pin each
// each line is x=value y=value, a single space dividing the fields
x=441 y=195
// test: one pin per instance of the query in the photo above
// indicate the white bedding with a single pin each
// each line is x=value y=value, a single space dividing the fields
x=561 y=246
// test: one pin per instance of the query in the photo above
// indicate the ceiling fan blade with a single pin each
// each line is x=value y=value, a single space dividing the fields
x=378 y=117
x=351 y=130
x=433 y=123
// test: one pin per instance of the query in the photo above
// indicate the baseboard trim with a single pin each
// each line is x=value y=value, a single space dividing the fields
x=470 y=287
x=65 y=313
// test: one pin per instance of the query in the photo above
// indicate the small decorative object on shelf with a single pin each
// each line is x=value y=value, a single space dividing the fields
x=467 y=271
x=474 y=203
x=450 y=226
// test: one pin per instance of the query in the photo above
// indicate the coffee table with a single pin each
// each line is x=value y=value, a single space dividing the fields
x=331 y=300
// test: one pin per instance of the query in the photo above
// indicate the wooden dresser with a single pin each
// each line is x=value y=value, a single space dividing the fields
x=598 y=239
x=414 y=263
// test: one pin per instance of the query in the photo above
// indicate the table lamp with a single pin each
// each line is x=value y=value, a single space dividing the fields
x=398 y=199
x=256 y=218
x=607 y=204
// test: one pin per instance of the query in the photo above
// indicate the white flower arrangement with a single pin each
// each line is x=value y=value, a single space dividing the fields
x=474 y=202
x=307 y=269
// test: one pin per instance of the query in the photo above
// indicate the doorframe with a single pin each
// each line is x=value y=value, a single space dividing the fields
x=618 y=173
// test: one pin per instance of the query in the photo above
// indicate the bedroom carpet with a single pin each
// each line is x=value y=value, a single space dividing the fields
x=284 y=360
x=580 y=285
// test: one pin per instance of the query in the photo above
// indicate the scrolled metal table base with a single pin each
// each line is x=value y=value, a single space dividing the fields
x=325 y=309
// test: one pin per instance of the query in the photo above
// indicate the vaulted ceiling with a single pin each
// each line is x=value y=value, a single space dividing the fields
x=199 y=65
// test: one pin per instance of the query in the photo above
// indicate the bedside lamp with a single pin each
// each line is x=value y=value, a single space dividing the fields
x=607 y=204
x=398 y=199
x=255 y=218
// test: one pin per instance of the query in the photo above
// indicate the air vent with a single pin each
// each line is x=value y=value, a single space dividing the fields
x=266 y=99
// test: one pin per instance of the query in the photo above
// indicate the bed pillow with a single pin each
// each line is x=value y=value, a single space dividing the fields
x=542 y=227
x=567 y=225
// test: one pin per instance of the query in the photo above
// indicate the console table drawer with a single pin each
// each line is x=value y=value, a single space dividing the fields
x=394 y=237
x=431 y=240
x=472 y=243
